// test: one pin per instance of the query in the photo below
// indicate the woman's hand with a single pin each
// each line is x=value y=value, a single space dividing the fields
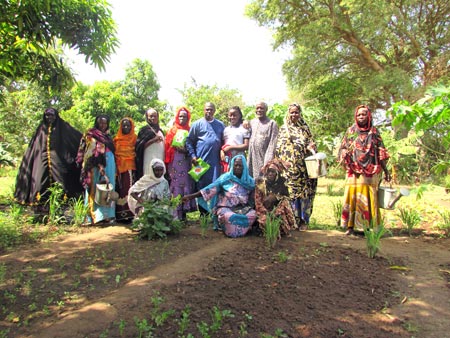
x=387 y=176
x=101 y=169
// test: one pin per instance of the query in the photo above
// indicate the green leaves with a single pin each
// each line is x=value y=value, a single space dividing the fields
x=32 y=32
x=157 y=219
x=386 y=48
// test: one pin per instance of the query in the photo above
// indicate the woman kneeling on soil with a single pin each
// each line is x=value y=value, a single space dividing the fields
x=229 y=198
x=150 y=187
x=272 y=195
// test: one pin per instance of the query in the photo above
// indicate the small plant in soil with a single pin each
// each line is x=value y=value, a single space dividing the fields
x=272 y=229
x=204 y=225
x=144 y=328
x=55 y=204
x=183 y=322
x=337 y=212
x=121 y=324
x=410 y=219
x=444 y=225
x=282 y=257
x=158 y=316
x=80 y=210
x=156 y=220
x=373 y=237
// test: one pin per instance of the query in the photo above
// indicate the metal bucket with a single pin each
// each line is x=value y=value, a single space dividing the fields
x=104 y=194
x=385 y=196
x=316 y=165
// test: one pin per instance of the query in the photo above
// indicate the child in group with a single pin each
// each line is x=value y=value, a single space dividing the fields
x=235 y=138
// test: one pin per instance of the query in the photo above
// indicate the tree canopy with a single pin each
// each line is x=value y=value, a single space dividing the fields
x=386 y=51
x=195 y=96
x=33 y=31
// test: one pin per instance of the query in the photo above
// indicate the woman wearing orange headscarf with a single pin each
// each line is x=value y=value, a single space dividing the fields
x=125 y=142
x=178 y=162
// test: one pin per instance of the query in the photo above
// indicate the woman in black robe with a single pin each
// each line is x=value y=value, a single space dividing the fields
x=50 y=158
x=149 y=144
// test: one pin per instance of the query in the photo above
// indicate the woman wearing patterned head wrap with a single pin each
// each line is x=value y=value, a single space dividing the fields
x=294 y=144
x=230 y=198
x=272 y=195
x=364 y=156
x=50 y=158
x=178 y=163
x=125 y=156
x=96 y=158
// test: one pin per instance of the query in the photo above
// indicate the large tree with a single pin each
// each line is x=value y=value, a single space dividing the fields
x=388 y=50
x=141 y=86
x=33 y=31
x=195 y=96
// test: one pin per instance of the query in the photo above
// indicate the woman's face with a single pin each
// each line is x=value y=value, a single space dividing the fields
x=152 y=117
x=238 y=167
x=158 y=171
x=102 y=124
x=183 y=118
x=362 y=116
x=234 y=117
x=294 y=114
x=271 y=175
x=126 y=127
x=49 y=116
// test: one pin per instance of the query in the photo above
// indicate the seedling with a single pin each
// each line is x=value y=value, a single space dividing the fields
x=373 y=237
x=272 y=229
x=410 y=219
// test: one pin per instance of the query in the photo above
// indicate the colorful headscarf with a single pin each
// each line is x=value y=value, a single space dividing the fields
x=169 y=149
x=364 y=148
x=225 y=180
x=125 y=148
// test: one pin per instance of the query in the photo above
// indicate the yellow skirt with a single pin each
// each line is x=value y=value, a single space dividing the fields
x=360 y=208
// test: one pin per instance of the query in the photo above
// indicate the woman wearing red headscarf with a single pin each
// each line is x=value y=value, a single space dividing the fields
x=364 y=156
x=125 y=142
x=178 y=161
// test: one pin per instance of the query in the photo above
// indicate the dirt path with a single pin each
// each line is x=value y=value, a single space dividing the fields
x=196 y=270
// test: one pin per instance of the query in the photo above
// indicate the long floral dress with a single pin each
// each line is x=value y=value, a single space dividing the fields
x=231 y=200
x=282 y=207
x=292 y=143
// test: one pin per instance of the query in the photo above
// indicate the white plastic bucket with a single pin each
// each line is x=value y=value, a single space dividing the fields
x=316 y=165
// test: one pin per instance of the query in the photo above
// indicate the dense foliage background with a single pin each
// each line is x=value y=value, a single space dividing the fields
x=392 y=55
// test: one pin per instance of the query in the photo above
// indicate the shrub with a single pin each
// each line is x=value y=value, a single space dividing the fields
x=157 y=220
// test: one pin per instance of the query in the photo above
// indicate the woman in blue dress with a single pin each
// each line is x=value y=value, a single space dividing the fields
x=96 y=158
x=230 y=199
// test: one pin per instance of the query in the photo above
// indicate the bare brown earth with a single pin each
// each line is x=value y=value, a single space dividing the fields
x=104 y=283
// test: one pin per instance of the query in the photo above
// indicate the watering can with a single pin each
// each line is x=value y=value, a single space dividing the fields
x=387 y=196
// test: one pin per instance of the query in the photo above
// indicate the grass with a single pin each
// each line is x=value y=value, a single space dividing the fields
x=327 y=205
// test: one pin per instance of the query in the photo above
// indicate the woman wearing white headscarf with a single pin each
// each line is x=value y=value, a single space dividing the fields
x=150 y=187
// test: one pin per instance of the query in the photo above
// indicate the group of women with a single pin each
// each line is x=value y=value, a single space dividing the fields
x=58 y=153
x=136 y=167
